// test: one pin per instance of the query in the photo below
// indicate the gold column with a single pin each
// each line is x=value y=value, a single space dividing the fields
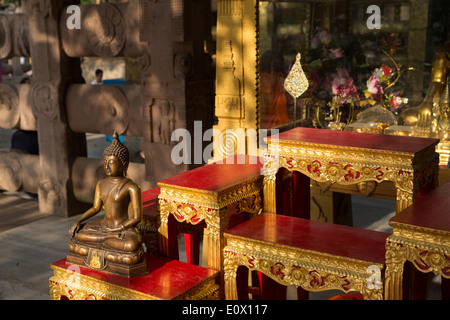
x=164 y=231
x=236 y=95
x=211 y=241
x=395 y=260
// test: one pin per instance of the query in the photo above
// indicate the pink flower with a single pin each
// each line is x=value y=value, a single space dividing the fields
x=342 y=84
x=336 y=53
x=325 y=36
x=374 y=87
x=315 y=42
x=395 y=100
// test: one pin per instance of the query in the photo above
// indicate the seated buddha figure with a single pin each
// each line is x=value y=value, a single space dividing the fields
x=113 y=243
x=422 y=115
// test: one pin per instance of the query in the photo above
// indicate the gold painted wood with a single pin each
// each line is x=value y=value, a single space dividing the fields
x=312 y=271
x=349 y=166
x=427 y=249
x=81 y=287
x=193 y=206
x=236 y=104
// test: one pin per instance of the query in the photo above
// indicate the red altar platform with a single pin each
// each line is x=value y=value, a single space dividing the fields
x=212 y=197
x=412 y=145
x=344 y=158
x=167 y=279
x=421 y=236
x=218 y=177
x=311 y=255
x=337 y=240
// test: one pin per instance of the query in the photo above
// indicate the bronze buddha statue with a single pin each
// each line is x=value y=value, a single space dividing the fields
x=114 y=243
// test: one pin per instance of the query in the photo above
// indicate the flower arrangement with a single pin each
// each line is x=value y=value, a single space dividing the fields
x=379 y=89
x=341 y=85
x=324 y=56
x=336 y=94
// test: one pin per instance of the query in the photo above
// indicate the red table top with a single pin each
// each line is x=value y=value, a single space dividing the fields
x=150 y=201
x=150 y=195
x=216 y=177
x=356 y=140
x=167 y=278
x=431 y=211
x=338 y=240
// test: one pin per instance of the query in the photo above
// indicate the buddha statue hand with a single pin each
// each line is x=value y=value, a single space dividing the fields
x=424 y=117
x=74 y=229
x=114 y=229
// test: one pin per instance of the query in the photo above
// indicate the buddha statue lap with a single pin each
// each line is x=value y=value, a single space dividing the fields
x=112 y=244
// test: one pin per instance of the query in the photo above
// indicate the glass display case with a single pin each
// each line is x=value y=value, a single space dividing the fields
x=357 y=54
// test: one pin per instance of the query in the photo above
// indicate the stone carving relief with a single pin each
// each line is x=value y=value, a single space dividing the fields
x=182 y=65
x=5 y=38
x=105 y=30
x=146 y=61
x=163 y=120
x=9 y=107
x=110 y=108
x=10 y=172
x=51 y=192
x=37 y=8
x=21 y=36
x=45 y=103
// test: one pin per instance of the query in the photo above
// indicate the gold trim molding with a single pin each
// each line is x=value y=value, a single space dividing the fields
x=428 y=250
x=81 y=287
x=345 y=166
x=312 y=271
x=193 y=206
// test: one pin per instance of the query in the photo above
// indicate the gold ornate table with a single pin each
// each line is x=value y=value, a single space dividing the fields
x=212 y=193
x=443 y=148
x=167 y=279
x=313 y=255
x=421 y=235
x=347 y=158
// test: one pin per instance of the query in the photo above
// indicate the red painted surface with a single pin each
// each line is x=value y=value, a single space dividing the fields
x=338 y=240
x=192 y=241
x=216 y=177
x=150 y=201
x=431 y=211
x=167 y=278
x=356 y=140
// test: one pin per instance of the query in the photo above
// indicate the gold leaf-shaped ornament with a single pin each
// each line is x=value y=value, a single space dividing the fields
x=296 y=83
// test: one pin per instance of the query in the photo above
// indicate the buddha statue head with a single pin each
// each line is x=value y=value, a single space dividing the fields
x=118 y=150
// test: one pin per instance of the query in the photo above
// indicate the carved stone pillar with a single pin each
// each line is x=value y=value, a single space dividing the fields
x=236 y=94
x=176 y=87
x=52 y=72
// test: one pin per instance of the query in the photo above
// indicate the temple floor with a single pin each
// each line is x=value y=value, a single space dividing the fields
x=28 y=249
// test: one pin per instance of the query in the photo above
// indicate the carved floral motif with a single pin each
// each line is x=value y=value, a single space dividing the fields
x=45 y=101
x=10 y=169
x=105 y=30
x=428 y=250
x=194 y=206
x=5 y=37
x=347 y=166
x=312 y=271
x=37 y=8
x=9 y=107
